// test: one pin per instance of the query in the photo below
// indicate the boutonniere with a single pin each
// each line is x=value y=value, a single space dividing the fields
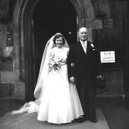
x=92 y=45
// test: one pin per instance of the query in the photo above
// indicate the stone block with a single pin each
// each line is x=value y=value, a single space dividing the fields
x=19 y=90
x=9 y=76
x=94 y=23
x=6 y=90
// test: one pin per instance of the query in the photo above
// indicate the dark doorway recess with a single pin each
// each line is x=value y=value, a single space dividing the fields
x=50 y=17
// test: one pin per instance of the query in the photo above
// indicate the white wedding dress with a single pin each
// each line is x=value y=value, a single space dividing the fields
x=59 y=101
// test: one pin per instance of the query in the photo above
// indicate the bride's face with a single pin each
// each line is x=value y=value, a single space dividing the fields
x=59 y=42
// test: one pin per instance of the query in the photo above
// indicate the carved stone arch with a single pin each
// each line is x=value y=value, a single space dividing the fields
x=25 y=49
x=78 y=5
x=25 y=16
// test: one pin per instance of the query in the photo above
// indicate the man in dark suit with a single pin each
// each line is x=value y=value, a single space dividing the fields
x=83 y=71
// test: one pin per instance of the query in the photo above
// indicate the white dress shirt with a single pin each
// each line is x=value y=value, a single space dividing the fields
x=84 y=45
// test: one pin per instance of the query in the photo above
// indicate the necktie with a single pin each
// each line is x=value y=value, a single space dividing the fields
x=84 y=46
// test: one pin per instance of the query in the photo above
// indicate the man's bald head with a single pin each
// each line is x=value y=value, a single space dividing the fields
x=83 y=29
x=83 y=33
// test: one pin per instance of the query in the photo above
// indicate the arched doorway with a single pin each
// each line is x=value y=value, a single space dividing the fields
x=50 y=17
x=38 y=22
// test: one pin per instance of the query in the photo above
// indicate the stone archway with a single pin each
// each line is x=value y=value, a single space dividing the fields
x=26 y=38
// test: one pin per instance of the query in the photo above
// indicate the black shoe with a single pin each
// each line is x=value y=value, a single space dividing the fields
x=82 y=119
x=93 y=120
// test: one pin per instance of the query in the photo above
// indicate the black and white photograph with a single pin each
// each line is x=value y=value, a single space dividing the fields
x=64 y=64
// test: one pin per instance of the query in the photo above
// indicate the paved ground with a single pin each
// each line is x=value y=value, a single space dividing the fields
x=29 y=121
x=112 y=109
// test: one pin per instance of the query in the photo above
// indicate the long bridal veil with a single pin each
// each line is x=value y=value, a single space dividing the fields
x=44 y=68
x=33 y=106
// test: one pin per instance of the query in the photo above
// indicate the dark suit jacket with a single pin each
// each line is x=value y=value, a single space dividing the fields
x=83 y=62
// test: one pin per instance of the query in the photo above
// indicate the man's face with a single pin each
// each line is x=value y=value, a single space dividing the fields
x=83 y=34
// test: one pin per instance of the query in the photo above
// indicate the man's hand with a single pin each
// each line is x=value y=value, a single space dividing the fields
x=72 y=79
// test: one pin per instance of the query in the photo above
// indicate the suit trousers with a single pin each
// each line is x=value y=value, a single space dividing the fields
x=87 y=97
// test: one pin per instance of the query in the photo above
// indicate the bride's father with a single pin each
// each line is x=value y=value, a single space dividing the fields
x=83 y=71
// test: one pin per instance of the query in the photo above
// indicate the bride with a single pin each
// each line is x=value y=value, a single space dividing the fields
x=57 y=100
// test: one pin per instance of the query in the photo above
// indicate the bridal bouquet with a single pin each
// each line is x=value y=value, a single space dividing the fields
x=55 y=63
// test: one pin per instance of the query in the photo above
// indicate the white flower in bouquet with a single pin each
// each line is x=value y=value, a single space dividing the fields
x=55 y=63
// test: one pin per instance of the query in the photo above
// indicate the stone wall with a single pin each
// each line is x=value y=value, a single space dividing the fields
x=9 y=58
x=113 y=22
x=95 y=14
